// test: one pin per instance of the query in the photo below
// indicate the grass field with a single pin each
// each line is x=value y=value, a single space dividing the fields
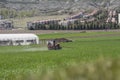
x=91 y=56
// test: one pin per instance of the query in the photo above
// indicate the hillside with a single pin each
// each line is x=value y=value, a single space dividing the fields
x=55 y=7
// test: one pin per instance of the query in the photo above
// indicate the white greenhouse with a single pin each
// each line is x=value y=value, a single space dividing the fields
x=18 y=39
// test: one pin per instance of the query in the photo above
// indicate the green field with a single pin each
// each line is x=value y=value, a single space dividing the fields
x=89 y=51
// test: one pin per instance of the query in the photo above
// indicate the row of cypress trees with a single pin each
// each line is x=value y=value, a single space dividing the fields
x=98 y=24
x=94 y=25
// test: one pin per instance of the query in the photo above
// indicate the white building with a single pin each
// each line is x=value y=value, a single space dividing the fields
x=18 y=39
x=119 y=18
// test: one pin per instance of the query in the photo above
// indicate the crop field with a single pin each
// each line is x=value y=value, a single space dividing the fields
x=91 y=56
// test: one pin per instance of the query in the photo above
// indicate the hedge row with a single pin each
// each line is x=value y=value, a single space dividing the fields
x=76 y=26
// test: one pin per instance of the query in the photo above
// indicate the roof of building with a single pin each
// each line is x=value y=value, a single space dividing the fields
x=18 y=36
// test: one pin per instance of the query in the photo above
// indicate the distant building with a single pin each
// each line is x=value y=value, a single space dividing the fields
x=0 y=17
x=18 y=39
x=6 y=24
x=119 y=18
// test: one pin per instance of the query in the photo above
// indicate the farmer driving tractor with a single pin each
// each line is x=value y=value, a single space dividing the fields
x=53 y=45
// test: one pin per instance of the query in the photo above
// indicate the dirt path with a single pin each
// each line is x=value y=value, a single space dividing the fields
x=51 y=31
x=64 y=31
x=36 y=31
x=94 y=36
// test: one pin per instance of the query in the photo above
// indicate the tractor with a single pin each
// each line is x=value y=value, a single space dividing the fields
x=53 y=45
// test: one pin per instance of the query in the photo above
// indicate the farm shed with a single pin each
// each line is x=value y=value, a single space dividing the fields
x=18 y=39
x=6 y=24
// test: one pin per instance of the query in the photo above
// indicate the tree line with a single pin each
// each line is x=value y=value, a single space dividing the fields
x=75 y=26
